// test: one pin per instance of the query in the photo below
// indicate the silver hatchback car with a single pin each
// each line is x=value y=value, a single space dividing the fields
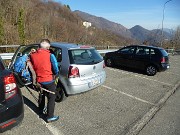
x=82 y=68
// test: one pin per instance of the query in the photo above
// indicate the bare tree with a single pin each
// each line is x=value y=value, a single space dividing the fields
x=176 y=39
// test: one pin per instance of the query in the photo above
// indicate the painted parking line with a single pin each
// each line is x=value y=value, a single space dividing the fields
x=172 y=64
x=54 y=130
x=175 y=59
x=173 y=67
x=140 y=76
x=140 y=124
x=173 y=73
x=154 y=80
x=128 y=95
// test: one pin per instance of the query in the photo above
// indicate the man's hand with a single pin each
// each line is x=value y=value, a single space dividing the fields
x=38 y=87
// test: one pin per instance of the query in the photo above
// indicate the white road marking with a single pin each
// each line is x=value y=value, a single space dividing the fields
x=129 y=95
x=54 y=130
x=173 y=73
x=139 y=125
x=141 y=77
x=154 y=80
x=174 y=60
x=173 y=67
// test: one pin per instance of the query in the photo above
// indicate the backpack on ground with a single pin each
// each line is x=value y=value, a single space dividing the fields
x=20 y=66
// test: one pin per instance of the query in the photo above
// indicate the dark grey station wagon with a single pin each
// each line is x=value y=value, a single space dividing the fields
x=151 y=59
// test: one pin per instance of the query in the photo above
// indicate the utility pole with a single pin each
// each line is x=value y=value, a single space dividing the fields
x=162 y=36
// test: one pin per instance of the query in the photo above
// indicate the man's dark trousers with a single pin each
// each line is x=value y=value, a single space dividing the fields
x=51 y=99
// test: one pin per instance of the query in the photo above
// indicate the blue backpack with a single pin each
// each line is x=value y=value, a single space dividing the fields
x=20 y=66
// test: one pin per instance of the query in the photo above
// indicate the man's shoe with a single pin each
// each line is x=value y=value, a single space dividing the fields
x=52 y=119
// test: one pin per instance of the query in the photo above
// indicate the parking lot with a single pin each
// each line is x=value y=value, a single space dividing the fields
x=116 y=108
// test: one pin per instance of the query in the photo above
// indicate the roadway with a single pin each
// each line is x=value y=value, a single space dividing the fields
x=128 y=103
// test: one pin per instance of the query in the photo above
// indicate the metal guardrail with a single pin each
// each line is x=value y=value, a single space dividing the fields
x=8 y=56
x=105 y=51
x=9 y=46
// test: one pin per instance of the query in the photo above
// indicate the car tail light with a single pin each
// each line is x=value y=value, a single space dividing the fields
x=73 y=72
x=163 y=60
x=10 y=86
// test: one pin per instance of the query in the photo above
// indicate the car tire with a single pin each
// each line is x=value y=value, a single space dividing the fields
x=109 y=62
x=151 y=70
x=60 y=95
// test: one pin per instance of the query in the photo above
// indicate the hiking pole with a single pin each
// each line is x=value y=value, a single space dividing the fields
x=47 y=90
x=32 y=94
x=45 y=108
x=38 y=86
x=21 y=83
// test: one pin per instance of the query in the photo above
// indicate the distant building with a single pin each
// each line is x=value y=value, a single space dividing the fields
x=87 y=24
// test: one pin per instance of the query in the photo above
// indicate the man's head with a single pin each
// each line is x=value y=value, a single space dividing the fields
x=45 y=43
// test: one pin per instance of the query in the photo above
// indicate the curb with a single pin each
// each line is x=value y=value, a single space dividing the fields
x=149 y=115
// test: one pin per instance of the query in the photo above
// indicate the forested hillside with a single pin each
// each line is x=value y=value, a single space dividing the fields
x=28 y=21
x=105 y=24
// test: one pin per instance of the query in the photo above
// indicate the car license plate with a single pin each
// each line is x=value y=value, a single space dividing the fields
x=95 y=82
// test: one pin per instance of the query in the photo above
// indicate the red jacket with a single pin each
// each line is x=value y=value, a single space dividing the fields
x=42 y=65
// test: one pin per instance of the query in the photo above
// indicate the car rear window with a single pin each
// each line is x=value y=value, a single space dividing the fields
x=164 y=53
x=84 y=56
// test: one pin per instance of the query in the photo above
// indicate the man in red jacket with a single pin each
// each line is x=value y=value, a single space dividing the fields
x=45 y=64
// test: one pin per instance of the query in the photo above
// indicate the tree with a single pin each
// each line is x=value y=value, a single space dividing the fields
x=27 y=21
x=176 y=39
x=68 y=7
x=21 y=29
x=1 y=30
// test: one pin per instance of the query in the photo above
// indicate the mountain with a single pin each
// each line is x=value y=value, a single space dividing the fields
x=52 y=20
x=151 y=36
x=137 y=32
x=103 y=23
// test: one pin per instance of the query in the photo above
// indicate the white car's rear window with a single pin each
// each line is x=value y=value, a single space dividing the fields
x=84 y=56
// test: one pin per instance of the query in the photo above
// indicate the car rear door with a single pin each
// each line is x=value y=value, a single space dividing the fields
x=21 y=50
x=141 y=57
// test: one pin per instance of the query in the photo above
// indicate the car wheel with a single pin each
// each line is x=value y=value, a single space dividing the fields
x=109 y=62
x=60 y=95
x=151 y=70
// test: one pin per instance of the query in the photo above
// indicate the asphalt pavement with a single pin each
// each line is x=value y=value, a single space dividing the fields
x=128 y=103
x=167 y=119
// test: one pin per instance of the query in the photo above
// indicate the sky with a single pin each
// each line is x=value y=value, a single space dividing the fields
x=146 y=13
